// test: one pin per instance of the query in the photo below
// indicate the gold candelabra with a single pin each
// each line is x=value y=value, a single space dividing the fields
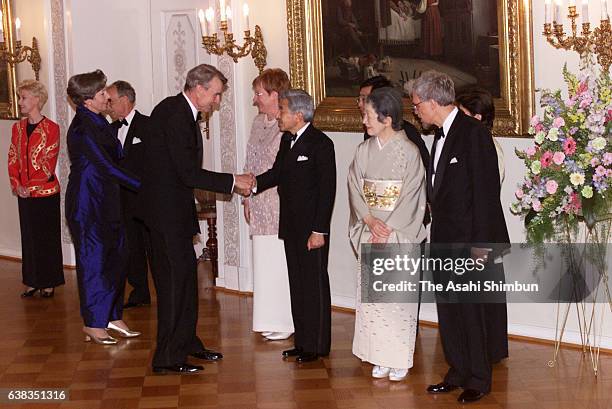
x=253 y=45
x=598 y=41
x=22 y=53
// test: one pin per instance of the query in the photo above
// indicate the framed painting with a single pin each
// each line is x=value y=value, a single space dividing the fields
x=334 y=45
x=8 y=77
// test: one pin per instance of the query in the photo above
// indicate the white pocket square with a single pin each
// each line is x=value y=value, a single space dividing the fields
x=136 y=140
x=454 y=160
x=302 y=158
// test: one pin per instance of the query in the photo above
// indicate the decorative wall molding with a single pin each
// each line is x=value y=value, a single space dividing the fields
x=227 y=117
x=60 y=82
x=180 y=50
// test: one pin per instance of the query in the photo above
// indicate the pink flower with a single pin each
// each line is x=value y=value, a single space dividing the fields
x=530 y=151
x=569 y=146
x=539 y=127
x=570 y=102
x=574 y=204
x=558 y=158
x=534 y=120
x=558 y=122
x=519 y=194
x=582 y=87
x=551 y=187
x=536 y=205
x=546 y=159
x=601 y=171
x=607 y=158
x=595 y=162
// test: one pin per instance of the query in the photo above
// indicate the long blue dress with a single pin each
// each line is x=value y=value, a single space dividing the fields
x=94 y=216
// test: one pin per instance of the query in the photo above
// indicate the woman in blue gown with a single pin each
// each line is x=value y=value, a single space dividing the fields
x=93 y=209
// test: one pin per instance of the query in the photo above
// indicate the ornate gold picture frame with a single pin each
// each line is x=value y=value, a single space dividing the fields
x=8 y=76
x=514 y=107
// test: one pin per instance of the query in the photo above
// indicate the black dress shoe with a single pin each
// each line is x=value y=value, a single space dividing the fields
x=441 y=387
x=178 y=368
x=29 y=293
x=131 y=304
x=207 y=355
x=306 y=357
x=292 y=352
x=470 y=395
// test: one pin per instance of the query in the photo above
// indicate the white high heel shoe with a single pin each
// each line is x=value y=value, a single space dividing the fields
x=398 y=374
x=125 y=333
x=380 y=372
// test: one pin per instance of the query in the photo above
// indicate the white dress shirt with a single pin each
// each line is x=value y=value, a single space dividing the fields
x=446 y=125
x=123 y=131
x=299 y=133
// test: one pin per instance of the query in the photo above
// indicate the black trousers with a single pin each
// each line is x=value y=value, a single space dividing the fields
x=139 y=248
x=174 y=270
x=310 y=295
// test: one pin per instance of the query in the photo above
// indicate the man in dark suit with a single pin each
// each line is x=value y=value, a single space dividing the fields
x=305 y=173
x=173 y=162
x=132 y=131
x=463 y=192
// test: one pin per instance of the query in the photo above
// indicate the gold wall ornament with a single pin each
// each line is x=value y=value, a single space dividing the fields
x=513 y=109
x=21 y=54
x=253 y=45
x=8 y=76
x=598 y=41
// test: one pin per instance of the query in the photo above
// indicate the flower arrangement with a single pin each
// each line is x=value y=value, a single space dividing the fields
x=569 y=167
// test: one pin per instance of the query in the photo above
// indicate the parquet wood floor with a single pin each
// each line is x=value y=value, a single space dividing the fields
x=41 y=346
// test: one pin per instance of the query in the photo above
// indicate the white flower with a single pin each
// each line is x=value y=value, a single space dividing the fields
x=599 y=143
x=577 y=178
x=553 y=134
x=539 y=137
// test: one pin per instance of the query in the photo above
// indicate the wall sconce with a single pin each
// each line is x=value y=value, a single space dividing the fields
x=15 y=54
x=598 y=41
x=253 y=45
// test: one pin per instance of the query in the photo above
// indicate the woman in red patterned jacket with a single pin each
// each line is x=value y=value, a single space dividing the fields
x=31 y=165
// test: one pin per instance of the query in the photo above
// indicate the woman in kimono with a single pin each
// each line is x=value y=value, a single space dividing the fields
x=93 y=209
x=386 y=186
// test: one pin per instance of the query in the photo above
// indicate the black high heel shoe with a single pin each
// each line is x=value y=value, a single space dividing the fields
x=44 y=292
x=29 y=293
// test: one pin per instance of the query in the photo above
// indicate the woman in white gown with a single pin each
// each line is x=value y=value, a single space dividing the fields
x=387 y=197
x=271 y=299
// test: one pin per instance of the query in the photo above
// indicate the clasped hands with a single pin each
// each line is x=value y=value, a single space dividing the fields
x=244 y=184
x=22 y=192
x=379 y=229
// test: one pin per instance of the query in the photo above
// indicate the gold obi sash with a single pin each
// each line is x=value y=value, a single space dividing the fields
x=381 y=194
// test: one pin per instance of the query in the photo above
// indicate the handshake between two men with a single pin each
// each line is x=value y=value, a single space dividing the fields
x=244 y=184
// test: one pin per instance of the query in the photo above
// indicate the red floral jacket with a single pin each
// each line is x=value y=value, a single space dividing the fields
x=31 y=161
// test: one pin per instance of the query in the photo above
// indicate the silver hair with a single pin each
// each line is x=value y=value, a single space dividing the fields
x=433 y=85
x=299 y=101
x=201 y=75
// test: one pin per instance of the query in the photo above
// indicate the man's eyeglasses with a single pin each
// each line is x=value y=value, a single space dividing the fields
x=361 y=98
x=415 y=107
x=258 y=94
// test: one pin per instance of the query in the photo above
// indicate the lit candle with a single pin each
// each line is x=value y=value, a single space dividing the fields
x=222 y=9
x=558 y=17
x=228 y=15
x=604 y=10
x=17 y=29
x=585 y=11
x=572 y=3
x=245 y=11
x=1 y=28
x=202 y=19
x=547 y=11
x=210 y=20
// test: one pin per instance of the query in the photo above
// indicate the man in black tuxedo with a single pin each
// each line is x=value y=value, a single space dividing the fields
x=305 y=173
x=132 y=132
x=173 y=162
x=463 y=192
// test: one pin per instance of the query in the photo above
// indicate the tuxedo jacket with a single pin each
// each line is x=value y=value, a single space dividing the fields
x=173 y=160
x=306 y=180
x=465 y=203
x=134 y=159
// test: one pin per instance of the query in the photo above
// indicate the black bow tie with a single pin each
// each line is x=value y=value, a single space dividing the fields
x=199 y=117
x=439 y=133
x=119 y=123
x=293 y=137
